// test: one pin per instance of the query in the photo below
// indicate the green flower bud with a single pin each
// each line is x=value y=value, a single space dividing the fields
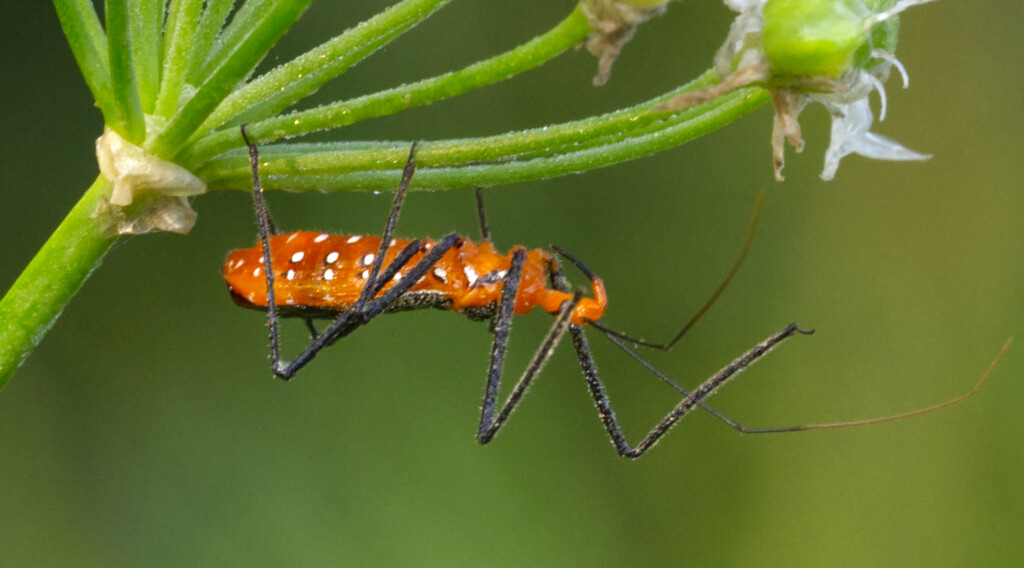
x=826 y=38
x=813 y=37
x=832 y=52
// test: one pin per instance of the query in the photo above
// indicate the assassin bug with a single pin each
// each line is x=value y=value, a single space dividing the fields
x=356 y=278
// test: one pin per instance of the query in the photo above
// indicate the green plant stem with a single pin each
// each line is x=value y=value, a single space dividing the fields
x=584 y=144
x=364 y=169
x=58 y=270
x=568 y=33
x=573 y=136
x=182 y=23
x=225 y=74
x=214 y=15
x=275 y=91
x=233 y=35
x=129 y=123
x=145 y=20
x=88 y=43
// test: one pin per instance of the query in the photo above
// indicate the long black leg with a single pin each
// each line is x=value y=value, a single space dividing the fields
x=311 y=328
x=502 y=327
x=397 y=264
x=747 y=240
x=732 y=423
x=354 y=317
x=344 y=323
x=710 y=386
x=357 y=314
x=409 y=279
x=481 y=213
x=265 y=227
x=389 y=230
x=285 y=372
x=401 y=259
x=266 y=224
x=558 y=281
x=691 y=400
x=489 y=423
x=381 y=303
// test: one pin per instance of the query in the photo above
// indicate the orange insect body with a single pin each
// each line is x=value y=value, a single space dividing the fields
x=321 y=274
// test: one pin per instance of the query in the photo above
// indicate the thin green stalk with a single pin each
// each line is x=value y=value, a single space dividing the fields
x=515 y=155
x=182 y=23
x=210 y=24
x=568 y=137
x=37 y=297
x=234 y=34
x=275 y=91
x=568 y=33
x=229 y=70
x=129 y=123
x=145 y=18
x=88 y=43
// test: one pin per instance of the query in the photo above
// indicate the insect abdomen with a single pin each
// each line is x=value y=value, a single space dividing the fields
x=322 y=273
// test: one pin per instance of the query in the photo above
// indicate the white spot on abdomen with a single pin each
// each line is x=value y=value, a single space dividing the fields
x=471 y=274
x=297 y=257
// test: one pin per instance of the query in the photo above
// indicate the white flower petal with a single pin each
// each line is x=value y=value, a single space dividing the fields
x=743 y=5
x=892 y=61
x=850 y=135
x=880 y=147
x=748 y=23
x=899 y=7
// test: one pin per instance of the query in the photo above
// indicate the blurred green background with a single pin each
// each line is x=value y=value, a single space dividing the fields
x=146 y=430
